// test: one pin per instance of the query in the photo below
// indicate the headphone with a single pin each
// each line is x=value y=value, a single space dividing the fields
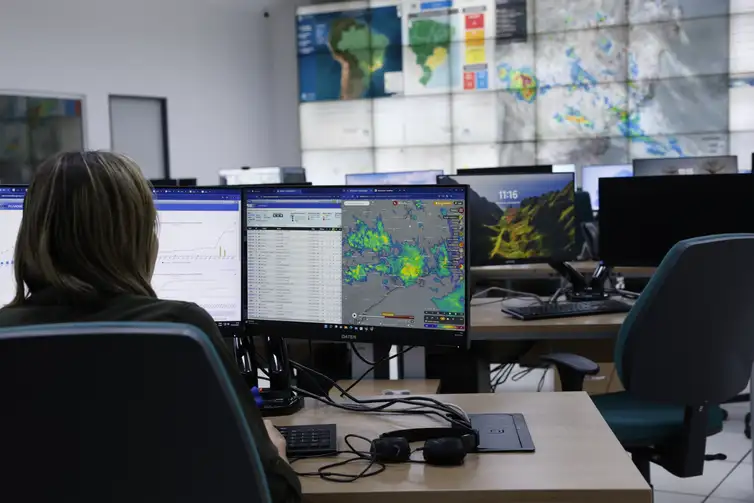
x=442 y=446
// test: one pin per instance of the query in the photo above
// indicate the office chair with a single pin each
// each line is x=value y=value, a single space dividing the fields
x=122 y=412
x=685 y=347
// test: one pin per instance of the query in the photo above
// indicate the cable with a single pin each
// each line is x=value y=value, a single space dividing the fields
x=435 y=404
x=373 y=366
x=324 y=472
x=447 y=411
x=358 y=355
x=515 y=293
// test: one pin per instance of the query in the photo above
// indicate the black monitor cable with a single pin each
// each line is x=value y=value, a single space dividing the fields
x=372 y=468
x=372 y=365
x=419 y=405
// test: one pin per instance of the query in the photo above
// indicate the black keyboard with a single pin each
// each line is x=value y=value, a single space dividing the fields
x=309 y=440
x=567 y=309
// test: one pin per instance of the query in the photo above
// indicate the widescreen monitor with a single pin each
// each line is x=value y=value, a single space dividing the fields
x=641 y=218
x=520 y=218
x=11 y=210
x=358 y=264
x=717 y=165
x=590 y=178
x=199 y=258
x=506 y=170
x=428 y=177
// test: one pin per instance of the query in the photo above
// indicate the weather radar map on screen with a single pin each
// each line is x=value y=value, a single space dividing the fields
x=394 y=271
x=519 y=218
x=527 y=82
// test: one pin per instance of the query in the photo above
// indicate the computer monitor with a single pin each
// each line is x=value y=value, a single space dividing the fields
x=428 y=177
x=173 y=182
x=11 y=210
x=717 y=165
x=520 y=218
x=506 y=170
x=590 y=177
x=199 y=258
x=641 y=218
x=357 y=264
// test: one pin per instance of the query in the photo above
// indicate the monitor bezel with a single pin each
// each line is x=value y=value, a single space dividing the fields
x=537 y=169
x=439 y=171
x=388 y=335
x=228 y=329
x=650 y=159
x=523 y=261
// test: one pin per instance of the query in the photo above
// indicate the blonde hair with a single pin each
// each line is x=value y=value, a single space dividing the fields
x=88 y=228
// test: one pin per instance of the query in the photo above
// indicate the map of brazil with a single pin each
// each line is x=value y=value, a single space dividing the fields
x=391 y=276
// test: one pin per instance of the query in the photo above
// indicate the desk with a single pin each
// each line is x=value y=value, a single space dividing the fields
x=498 y=338
x=578 y=459
x=544 y=271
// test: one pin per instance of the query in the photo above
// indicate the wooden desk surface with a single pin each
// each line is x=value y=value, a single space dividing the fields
x=534 y=271
x=489 y=323
x=577 y=457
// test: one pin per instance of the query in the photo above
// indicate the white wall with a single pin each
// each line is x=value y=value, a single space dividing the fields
x=211 y=59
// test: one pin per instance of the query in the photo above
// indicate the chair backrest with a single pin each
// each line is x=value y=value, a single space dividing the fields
x=122 y=412
x=689 y=339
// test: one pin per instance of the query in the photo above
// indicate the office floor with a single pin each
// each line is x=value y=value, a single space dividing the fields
x=728 y=481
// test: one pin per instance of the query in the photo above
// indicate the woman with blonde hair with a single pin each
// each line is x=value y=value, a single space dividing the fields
x=86 y=250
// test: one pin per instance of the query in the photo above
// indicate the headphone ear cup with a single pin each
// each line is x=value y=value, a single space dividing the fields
x=444 y=452
x=391 y=450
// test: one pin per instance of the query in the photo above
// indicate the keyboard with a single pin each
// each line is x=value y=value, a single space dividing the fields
x=567 y=309
x=309 y=440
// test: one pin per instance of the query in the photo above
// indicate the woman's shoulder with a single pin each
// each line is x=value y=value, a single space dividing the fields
x=138 y=308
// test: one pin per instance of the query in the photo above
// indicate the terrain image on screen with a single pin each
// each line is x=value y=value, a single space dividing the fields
x=519 y=217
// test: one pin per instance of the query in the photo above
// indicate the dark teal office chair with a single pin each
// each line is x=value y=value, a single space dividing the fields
x=686 y=346
x=121 y=412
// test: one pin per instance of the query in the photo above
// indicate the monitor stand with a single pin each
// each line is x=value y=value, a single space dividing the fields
x=583 y=290
x=279 y=398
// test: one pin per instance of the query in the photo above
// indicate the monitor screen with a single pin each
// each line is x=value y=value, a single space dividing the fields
x=506 y=170
x=401 y=178
x=590 y=177
x=358 y=264
x=11 y=210
x=199 y=258
x=641 y=218
x=717 y=165
x=520 y=218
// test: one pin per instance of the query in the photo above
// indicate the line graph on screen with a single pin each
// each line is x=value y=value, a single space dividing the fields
x=199 y=261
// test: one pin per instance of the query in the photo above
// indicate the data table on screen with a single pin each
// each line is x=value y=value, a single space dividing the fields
x=199 y=257
x=293 y=267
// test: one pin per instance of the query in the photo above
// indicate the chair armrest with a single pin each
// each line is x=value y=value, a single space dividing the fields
x=572 y=369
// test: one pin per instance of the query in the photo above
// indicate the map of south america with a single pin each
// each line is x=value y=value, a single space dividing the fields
x=360 y=50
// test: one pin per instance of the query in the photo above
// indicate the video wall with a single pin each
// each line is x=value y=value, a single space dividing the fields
x=393 y=85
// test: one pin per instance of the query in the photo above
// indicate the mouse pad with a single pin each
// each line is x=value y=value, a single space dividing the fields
x=502 y=433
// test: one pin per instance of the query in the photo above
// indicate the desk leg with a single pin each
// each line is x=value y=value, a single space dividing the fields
x=459 y=371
